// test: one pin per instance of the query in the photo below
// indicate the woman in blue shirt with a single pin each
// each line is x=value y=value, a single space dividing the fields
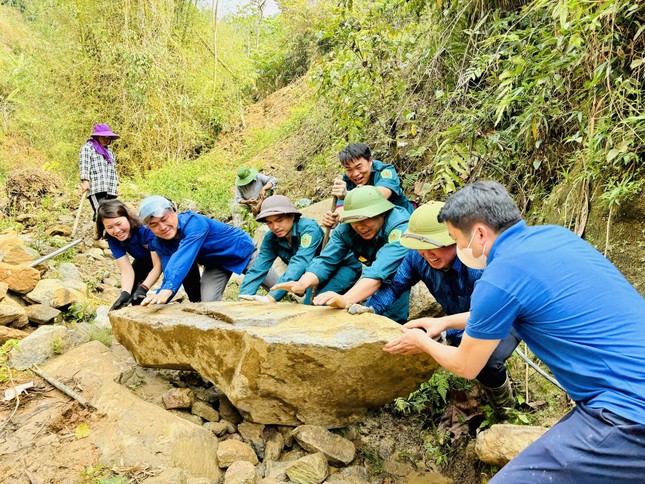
x=127 y=236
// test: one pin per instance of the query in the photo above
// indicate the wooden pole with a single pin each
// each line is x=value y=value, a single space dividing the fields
x=334 y=200
x=78 y=213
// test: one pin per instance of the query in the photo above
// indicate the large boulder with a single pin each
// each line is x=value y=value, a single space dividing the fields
x=278 y=363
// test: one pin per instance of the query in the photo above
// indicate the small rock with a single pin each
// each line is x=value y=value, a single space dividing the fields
x=68 y=271
x=9 y=333
x=210 y=395
x=276 y=470
x=205 y=411
x=12 y=315
x=386 y=447
x=7 y=241
x=398 y=466
x=95 y=253
x=350 y=475
x=20 y=255
x=237 y=437
x=103 y=244
x=57 y=293
x=500 y=443
x=231 y=428
x=240 y=472
x=178 y=398
x=252 y=435
x=228 y=412
x=218 y=428
x=43 y=314
x=101 y=320
x=294 y=454
x=337 y=449
x=62 y=230
x=187 y=416
x=287 y=434
x=274 y=446
x=21 y=279
x=39 y=346
x=311 y=469
x=231 y=451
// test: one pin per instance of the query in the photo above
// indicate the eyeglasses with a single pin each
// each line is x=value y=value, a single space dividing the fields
x=423 y=239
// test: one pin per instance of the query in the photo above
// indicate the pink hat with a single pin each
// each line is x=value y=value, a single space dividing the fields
x=104 y=130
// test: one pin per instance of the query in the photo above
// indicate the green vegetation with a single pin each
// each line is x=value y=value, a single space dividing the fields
x=534 y=94
x=5 y=348
x=57 y=346
x=531 y=95
x=102 y=335
x=79 y=312
x=432 y=396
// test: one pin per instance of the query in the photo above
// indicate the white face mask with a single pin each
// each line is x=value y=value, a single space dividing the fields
x=467 y=258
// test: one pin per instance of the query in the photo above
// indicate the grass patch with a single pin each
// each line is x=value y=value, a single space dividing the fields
x=103 y=335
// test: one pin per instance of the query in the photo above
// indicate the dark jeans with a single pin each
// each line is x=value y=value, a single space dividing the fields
x=589 y=446
x=96 y=198
x=142 y=268
x=493 y=375
x=192 y=284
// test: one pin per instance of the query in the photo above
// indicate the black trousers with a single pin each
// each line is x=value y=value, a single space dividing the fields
x=142 y=268
x=493 y=375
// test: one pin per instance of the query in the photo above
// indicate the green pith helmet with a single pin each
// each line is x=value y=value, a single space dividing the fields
x=245 y=176
x=424 y=230
x=364 y=202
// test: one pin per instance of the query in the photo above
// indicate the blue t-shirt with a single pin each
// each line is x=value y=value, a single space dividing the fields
x=138 y=245
x=209 y=242
x=451 y=288
x=382 y=254
x=573 y=308
x=384 y=175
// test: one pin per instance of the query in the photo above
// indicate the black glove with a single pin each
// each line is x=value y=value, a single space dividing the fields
x=139 y=295
x=123 y=300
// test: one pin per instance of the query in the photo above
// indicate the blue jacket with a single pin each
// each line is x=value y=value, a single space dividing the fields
x=382 y=255
x=138 y=245
x=208 y=242
x=451 y=288
x=384 y=175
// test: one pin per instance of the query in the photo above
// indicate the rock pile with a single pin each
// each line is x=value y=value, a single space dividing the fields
x=33 y=295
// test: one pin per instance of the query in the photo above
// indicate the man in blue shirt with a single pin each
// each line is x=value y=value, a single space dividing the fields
x=434 y=261
x=361 y=169
x=371 y=229
x=185 y=238
x=296 y=240
x=575 y=311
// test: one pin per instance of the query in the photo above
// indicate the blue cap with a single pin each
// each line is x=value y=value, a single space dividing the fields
x=154 y=206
